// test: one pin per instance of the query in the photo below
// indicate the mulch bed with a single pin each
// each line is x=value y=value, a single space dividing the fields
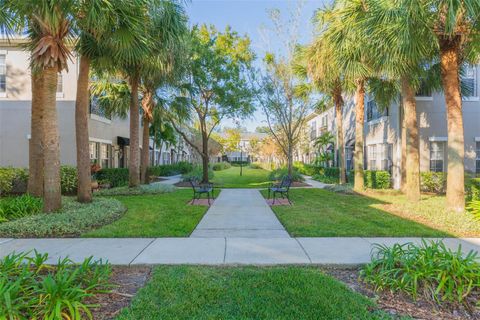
x=200 y=202
x=278 y=202
x=127 y=281
x=400 y=304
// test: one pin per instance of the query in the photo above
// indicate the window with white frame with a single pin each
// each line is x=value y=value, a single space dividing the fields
x=105 y=152
x=94 y=152
x=437 y=156
x=469 y=81
x=349 y=158
x=373 y=112
x=372 y=157
x=477 y=160
x=313 y=130
x=3 y=74
x=60 y=83
x=386 y=156
x=324 y=121
x=424 y=91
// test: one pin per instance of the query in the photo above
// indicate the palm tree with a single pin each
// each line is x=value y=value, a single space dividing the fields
x=353 y=54
x=103 y=27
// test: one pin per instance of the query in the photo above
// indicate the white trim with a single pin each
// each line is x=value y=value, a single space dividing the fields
x=378 y=120
x=422 y=98
x=100 y=140
x=99 y=118
x=60 y=95
x=470 y=99
x=437 y=139
x=3 y=94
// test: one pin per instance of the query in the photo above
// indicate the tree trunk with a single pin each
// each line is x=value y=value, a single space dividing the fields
x=359 y=184
x=51 y=157
x=290 y=159
x=145 y=151
x=340 y=138
x=84 y=189
x=449 y=60
x=134 y=164
x=412 y=141
x=35 y=155
x=205 y=160
x=403 y=169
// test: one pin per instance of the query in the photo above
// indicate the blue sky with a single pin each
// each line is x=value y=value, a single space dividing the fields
x=252 y=17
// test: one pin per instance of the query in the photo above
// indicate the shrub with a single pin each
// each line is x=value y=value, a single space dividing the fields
x=255 y=165
x=18 y=207
x=473 y=189
x=68 y=179
x=377 y=179
x=152 y=188
x=72 y=220
x=29 y=289
x=433 y=182
x=306 y=169
x=117 y=177
x=238 y=163
x=325 y=179
x=11 y=179
x=474 y=208
x=279 y=174
x=197 y=174
x=431 y=270
x=221 y=166
x=350 y=176
x=167 y=170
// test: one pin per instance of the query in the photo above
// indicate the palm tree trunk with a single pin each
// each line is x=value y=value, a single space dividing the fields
x=359 y=184
x=340 y=138
x=51 y=157
x=449 y=60
x=145 y=151
x=412 y=141
x=403 y=170
x=134 y=164
x=84 y=190
x=35 y=155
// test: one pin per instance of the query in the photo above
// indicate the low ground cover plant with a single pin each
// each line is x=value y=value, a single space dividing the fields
x=430 y=270
x=29 y=289
x=72 y=220
x=18 y=207
x=152 y=188
x=166 y=170
x=116 y=177
x=221 y=166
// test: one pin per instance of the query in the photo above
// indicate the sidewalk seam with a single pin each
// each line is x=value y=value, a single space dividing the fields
x=304 y=251
x=225 y=251
x=141 y=251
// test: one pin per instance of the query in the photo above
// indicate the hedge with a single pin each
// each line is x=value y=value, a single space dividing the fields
x=473 y=189
x=279 y=174
x=221 y=166
x=197 y=174
x=435 y=182
x=12 y=180
x=377 y=179
x=166 y=170
x=117 y=177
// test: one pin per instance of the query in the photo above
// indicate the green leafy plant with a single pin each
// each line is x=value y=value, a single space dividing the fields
x=117 y=177
x=430 y=269
x=166 y=170
x=68 y=179
x=18 y=207
x=435 y=182
x=377 y=179
x=279 y=174
x=152 y=188
x=29 y=289
x=221 y=166
x=196 y=174
x=10 y=178
x=474 y=208
x=473 y=188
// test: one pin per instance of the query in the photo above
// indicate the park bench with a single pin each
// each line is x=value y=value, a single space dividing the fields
x=201 y=188
x=282 y=188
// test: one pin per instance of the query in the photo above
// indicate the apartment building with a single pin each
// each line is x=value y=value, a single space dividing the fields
x=109 y=137
x=245 y=145
x=383 y=130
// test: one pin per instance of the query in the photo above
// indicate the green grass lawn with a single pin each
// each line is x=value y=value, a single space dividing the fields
x=251 y=178
x=163 y=215
x=194 y=292
x=322 y=213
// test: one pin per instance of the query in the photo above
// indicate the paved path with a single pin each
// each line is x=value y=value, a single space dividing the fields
x=217 y=251
x=240 y=213
x=314 y=183
x=171 y=180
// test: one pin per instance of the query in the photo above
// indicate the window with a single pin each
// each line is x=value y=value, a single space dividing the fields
x=96 y=108
x=60 y=83
x=105 y=151
x=3 y=74
x=477 y=162
x=349 y=158
x=93 y=152
x=437 y=152
x=373 y=112
x=372 y=157
x=424 y=91
x=469 y=81
x=386 y=156
x=313 y=130
x=324 y=122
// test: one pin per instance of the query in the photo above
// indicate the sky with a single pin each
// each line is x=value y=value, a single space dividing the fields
x=252 y=17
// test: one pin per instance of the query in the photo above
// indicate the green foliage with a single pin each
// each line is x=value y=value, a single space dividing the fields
x=238 y=163
x=473 y=188
x=431 y=270
x=474 y=208
x=166 y=170
x=279 y=174
x=255 y=165
x=117 y=177
x=377 y=179
x=29 y=289
x=68 y=179
x=197 y=174
x=152 y=188
x=435 y=182
x=328 y=175
x=221 y=166
x=18 y=207
x=72 y=220
x=9 y=177
x=305 y=168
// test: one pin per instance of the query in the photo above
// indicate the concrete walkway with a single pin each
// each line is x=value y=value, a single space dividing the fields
x=314 y=183
x=240 y=213
x=218 y=251
x=171 y=180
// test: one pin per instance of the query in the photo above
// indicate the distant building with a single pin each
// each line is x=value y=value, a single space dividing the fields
x=245 y=151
